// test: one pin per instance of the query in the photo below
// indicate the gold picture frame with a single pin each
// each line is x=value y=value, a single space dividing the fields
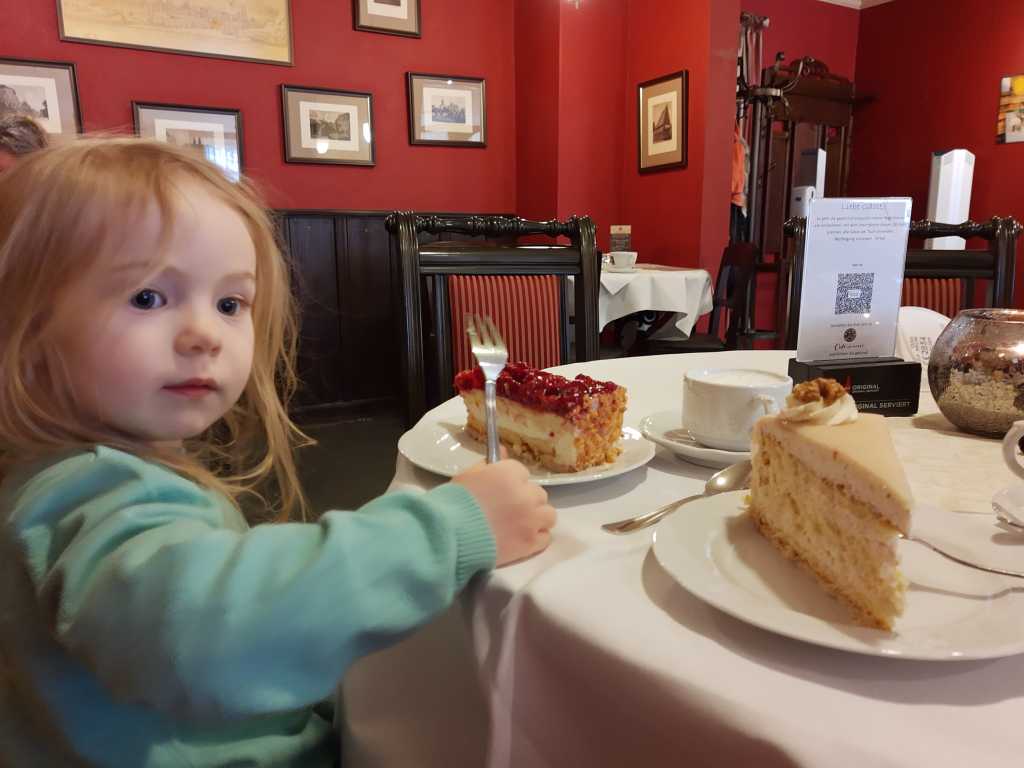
x=258 y=31
x=662 y=122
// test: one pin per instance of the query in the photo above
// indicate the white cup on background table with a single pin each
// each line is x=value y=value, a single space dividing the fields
x=721 y=405
x=623 y=259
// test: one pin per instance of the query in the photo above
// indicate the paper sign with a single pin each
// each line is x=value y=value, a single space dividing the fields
x=854 y=253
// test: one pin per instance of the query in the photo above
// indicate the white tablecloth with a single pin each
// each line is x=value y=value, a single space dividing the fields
x=685 y=292
x=591 y=654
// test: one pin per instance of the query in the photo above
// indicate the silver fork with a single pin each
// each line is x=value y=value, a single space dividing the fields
x=491 y=354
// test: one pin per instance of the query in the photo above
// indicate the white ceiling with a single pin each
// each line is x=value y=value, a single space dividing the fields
x=858 y=4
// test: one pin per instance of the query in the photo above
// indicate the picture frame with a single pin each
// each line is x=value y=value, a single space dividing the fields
x=260 y=32
x=213 y=133
x=44 y=90
x=389 y=17
x=663 y=122
x=1010 y=118
x=447 y=110
x=328 y=126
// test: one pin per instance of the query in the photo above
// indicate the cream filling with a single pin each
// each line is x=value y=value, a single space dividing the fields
x=842 y=411
x=537 y=427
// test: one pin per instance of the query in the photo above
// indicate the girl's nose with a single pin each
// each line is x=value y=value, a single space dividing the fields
x=197 y=336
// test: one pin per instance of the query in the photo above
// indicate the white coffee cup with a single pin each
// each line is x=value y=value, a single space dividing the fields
x=720 y=405
x=623 y=259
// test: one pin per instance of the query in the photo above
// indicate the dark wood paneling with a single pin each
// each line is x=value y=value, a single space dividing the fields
x=368 y=334
x=311 y=246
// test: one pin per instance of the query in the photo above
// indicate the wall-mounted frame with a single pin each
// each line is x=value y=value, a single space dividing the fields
x=253 y=32
x=392 y=17
x=326 y=126
x=46 y=91
x=212 y=133
x=662 y=122
x=447 y=110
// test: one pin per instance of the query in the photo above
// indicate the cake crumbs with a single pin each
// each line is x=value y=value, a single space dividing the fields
x=826 y=390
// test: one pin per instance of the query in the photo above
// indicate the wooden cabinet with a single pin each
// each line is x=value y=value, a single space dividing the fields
x=344 y=278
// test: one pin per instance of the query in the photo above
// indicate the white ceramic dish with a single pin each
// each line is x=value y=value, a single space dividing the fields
x=664 y=429
x=443 y=446
x=952 y=613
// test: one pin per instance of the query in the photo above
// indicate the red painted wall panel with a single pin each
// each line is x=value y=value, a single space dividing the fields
x=328 y=53
x=592 y=77
x=934 y=67
x=810 y=28
x=664 y=207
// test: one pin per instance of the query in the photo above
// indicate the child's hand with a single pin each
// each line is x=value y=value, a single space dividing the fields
x=517 y=509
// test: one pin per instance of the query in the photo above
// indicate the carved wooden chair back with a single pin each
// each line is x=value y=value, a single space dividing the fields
x=525 y=288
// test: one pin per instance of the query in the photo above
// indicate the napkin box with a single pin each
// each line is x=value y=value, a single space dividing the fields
x=886 y=385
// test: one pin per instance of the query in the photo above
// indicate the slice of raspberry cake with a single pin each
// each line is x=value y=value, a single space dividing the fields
x=563 y=424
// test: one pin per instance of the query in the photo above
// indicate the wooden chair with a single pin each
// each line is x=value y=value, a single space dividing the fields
x=523 y=287
x=945 y=281
x=733 y=301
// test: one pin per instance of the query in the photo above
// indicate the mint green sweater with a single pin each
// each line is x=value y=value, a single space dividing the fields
x=144 y=624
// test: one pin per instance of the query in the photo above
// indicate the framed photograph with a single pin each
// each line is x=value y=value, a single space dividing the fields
x=662 y=122
x=324 y=126
x=44 y=90
x=1010 y=120
x=392 y=17
x=212 y=133
x=256 y=31
x=446 y=110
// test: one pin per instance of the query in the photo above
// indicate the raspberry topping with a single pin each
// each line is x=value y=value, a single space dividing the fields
x=545 y=391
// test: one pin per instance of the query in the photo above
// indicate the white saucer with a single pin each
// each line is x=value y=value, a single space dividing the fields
x=619 y=270
x=663 y=428
x=1010 y=502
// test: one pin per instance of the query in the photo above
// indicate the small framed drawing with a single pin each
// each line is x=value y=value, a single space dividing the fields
x=44 y=90
x=212 y=133
x=323 y=126
x=446 y=110
x=392 y=17
x=663 y=122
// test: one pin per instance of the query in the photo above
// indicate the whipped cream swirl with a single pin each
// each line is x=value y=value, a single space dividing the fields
x=842 y=411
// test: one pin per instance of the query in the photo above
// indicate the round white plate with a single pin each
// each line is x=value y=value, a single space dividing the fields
x=446 y=448
x=663 y=428
x=952 y=613
x=622 y=270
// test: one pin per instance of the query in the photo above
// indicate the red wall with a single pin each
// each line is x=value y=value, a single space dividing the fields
x=935 y=89
x=537 y=108
x=664 y=207
x=809 y=28
x=328 y=53
x=591 y=80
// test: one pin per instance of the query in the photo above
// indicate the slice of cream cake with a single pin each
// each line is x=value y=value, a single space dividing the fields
x=565 y=425
x=829 y=491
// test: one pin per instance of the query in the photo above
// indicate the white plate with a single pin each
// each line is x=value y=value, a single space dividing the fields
x=445 y=447
x=952 y=613
x=621 y=270
x=663 y=428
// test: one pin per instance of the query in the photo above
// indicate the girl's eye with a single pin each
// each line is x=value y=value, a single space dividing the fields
x=148 y=299
x=229 y=306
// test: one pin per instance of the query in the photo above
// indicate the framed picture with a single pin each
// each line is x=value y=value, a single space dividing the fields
x=212 y=133
x=44 y=90
x=1010 y=120
x=323 y=126
x=392 y=17
x=662 y=122
x=257 y=31
x=447 y=110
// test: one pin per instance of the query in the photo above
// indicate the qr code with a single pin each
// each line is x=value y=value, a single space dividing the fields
x=853 y=292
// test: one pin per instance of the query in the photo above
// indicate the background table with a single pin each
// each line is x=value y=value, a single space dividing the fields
x=590 y=654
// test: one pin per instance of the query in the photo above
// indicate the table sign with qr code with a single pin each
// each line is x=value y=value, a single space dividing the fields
x=854 y=252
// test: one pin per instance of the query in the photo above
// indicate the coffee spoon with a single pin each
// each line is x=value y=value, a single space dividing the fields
x=733 y=478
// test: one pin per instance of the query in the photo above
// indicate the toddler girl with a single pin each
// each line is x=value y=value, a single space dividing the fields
x=147 y=341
